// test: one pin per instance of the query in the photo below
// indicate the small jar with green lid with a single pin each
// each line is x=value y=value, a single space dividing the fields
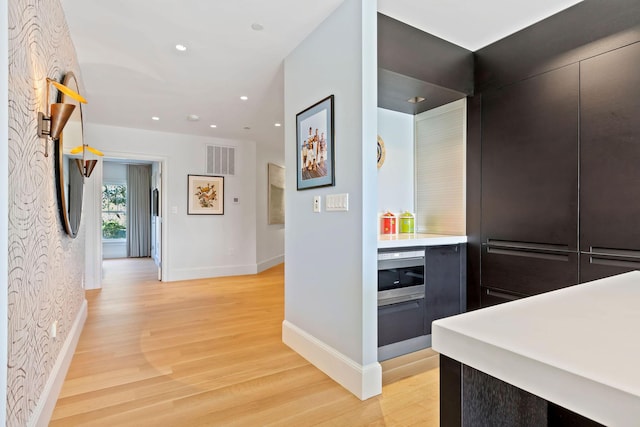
x=406 y=221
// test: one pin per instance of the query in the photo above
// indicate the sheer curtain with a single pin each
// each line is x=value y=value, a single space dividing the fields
x=139 y=215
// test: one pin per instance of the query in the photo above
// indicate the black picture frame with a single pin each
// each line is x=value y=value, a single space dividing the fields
x=315 y=145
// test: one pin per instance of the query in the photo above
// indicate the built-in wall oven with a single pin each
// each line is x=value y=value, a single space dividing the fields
x=401 y=290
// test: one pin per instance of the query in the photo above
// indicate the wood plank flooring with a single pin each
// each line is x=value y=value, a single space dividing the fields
x=209 y=353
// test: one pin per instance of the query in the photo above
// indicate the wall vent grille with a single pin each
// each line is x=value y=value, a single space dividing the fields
x=221 y=160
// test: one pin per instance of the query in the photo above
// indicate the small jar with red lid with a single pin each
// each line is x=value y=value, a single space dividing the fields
x=387 y=223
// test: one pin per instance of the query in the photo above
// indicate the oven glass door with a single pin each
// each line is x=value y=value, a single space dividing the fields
x=400 y=277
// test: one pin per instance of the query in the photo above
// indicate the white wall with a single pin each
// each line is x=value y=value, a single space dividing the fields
x=269 y=238
x=4 y=212
x=114 y=173
x=92 y=213
x=197 y=246
x=330 y=269
x=395 y=177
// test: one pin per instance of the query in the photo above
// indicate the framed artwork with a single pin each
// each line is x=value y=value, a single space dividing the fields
x=276 y=194
x=382 y=152
x=315 y=145
x=206 y=195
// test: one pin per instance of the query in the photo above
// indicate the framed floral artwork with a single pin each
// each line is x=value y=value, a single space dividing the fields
x=206 y=195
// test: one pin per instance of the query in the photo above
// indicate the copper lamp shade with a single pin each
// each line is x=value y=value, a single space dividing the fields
x=60 y=114
x=86 y=166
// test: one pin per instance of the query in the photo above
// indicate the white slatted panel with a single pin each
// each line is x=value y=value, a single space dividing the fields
x=220 y=160
x=440 y=169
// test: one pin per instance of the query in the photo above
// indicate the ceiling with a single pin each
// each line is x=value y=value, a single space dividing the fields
x=131 y=70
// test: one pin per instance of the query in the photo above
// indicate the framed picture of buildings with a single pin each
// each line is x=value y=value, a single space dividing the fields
x=315 y=145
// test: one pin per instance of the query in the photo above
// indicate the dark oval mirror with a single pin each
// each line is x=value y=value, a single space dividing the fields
x=70 y=181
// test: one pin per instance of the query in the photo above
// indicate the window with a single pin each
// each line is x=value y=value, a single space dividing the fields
x=114 y=211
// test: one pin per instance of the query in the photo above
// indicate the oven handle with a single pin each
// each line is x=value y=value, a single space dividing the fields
x=403 y=298
x=396 y=308
x=388 y=264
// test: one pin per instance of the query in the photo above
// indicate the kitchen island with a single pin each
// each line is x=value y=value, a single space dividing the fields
x=571 y=354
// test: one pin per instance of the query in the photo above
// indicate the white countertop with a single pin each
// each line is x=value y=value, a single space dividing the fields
x=404 y=240
x=578 y=347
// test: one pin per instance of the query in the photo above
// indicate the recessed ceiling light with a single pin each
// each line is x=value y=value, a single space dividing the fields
x=257 y=27
x=244 y=98
x=415 y=99
x=181 y=47
x=193 y=117
x=277 y=125
x=156 y=118
x=213 y=126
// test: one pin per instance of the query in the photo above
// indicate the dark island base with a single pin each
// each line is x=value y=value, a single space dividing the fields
x=469 y=397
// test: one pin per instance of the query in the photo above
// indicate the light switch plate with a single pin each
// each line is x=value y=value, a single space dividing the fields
x=337 y=202
x=317 y=203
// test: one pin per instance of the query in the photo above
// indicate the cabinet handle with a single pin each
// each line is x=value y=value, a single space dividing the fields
x=635 y=265
x=390 y=264
x=527 y=245
x=398 y=307
x=627 y=253
x=529 y=254
x=502 y=295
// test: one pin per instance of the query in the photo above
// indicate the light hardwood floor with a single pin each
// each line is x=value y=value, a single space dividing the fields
x=209 y=352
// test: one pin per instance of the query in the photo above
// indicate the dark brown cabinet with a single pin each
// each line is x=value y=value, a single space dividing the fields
x=599 y=265
x=527 y=271
x=610 y=162
x=530 y=160
x=539 y=137
x=445 y=282
x=530 y=186
x=399 y=322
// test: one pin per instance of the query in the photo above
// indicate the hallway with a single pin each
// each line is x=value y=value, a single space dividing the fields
x=209 y=352
x=122 y=271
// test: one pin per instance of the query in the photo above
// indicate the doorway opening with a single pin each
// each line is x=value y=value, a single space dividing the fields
x=130 y=223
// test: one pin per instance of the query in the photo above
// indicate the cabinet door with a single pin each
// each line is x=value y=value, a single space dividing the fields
x=444 y=282
x=610 y=151
x=401 y=321
x=530 y=160
x=491 y=297
x=527 y=270
x=600 y=265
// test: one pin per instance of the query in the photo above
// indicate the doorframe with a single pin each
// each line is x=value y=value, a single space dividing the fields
x=94 y=257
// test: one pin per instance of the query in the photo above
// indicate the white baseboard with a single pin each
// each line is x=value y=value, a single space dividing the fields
x=207 y=272
x=267 y=264
x=43 y=411
x=362 y=381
